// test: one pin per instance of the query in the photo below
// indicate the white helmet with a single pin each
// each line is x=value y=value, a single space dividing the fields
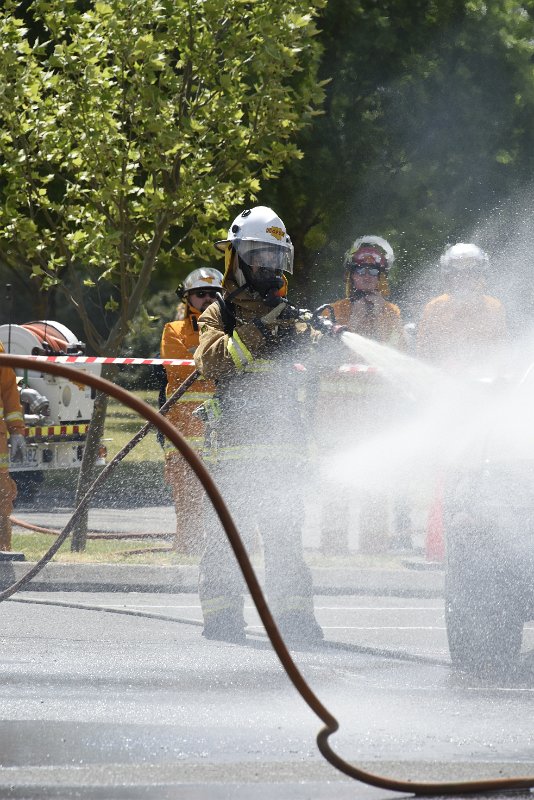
x=372 y=243
x=259 y=237
x=203 y=278
x=462 y=257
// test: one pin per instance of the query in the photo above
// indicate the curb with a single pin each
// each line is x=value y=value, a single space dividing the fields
x=184 y=579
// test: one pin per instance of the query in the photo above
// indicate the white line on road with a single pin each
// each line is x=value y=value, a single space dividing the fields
x=317 y=608
x=376 y=628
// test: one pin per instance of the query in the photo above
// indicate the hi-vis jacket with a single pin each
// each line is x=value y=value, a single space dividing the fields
x=180 y=340
x=381 y=323
x=259 y=413
x=11 y=419
x=460 y=330
x=351 y=403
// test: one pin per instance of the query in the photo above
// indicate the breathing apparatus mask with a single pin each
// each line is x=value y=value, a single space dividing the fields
x=262 y=265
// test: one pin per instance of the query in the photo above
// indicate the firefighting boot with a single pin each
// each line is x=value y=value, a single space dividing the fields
x=5 y=534
x=299 y=628
x=225 y=626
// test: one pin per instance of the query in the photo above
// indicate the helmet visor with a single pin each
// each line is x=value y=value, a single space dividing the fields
x=264 y=255
x=368 y=257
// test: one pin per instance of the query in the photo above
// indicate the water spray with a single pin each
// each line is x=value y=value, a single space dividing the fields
x=331 y=724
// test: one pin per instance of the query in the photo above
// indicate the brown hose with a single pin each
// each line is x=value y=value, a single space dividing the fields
x=331 y=724
x=20 y=523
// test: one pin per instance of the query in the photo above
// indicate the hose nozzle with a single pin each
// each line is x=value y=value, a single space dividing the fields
x=327 y=324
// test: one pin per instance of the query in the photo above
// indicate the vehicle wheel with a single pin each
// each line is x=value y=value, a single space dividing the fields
x=484 y=615
x=484 y=635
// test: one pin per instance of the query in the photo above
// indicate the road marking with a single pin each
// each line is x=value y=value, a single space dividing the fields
x=379 y=608
x=376 y=628
x=143 y=605
x=317 y=608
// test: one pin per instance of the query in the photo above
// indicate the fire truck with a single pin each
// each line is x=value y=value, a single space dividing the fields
x=57 y=411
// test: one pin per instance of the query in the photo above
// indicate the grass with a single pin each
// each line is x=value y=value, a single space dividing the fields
x=139 y=479
x=99 y=551
x=102 y=551
x=122 y=424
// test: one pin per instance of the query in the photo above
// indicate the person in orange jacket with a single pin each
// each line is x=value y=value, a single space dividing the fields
x=362 y=398
x=460 y=330
x=364 y=309
x=12 y=424
x=464 y=324
x=180 y=340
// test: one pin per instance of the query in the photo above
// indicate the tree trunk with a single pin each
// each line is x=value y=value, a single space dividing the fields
x=90 y=454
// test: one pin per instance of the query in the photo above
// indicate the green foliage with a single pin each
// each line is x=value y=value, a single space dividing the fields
x=428 y=124
x=144 y=338
x=129 y=130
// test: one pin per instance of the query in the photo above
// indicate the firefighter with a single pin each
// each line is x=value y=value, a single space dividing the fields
x=464 y=325
x=364 y=309
x=361 y=398
x=461 y=330
x=12 y=422
x=249 y=342
x=180 y=340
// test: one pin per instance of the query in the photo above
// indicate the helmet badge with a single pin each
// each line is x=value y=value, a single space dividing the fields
x=278 y=233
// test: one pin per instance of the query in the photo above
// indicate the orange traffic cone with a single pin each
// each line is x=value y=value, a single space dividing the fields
x=434 y=541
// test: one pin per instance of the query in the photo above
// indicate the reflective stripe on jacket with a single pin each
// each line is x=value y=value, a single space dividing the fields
x=257 y=385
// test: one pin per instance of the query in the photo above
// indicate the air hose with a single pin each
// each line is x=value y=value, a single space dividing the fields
x=331 y=725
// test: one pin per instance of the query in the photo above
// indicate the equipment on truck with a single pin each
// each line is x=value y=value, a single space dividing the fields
x=57 y=411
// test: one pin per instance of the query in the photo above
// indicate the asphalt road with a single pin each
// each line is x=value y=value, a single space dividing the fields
x=114 y=705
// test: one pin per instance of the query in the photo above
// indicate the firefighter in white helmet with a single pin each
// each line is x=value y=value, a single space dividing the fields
x=180 y=340
x=249 y=342
x=464 y=324
x=461 y=330
x=364 y=309
x=363 y=398
x=12 y=425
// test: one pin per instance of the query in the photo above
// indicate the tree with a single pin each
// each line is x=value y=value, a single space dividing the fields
x=130 y=128
x=427 y=127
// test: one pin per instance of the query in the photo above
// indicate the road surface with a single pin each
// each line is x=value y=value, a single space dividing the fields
x=115 y=705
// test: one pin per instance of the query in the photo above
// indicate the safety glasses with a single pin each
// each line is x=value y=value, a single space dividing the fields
x=365 y=270
x=206 y=293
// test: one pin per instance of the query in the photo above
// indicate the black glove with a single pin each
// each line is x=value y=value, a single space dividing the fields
x=277 y=322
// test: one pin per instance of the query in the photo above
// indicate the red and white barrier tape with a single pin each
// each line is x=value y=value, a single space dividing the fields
x=164 y=362
x=178 y=362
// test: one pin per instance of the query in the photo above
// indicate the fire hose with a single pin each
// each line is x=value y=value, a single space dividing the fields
x=330 y=723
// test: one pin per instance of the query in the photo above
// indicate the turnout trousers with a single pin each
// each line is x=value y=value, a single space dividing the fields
x=262 y=500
